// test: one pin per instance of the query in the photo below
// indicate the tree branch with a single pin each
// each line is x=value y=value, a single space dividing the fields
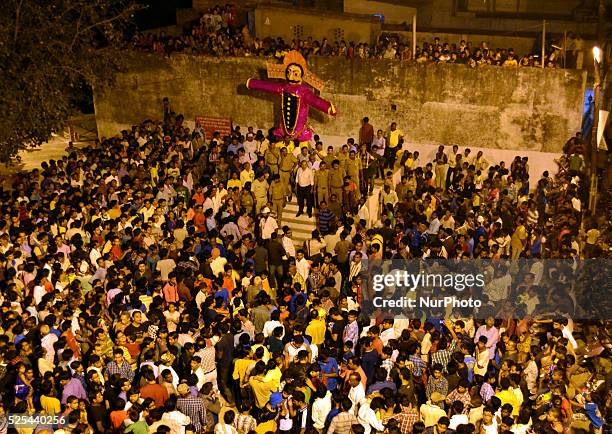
x=76 y=33
x=17 y=19
x=132 y=8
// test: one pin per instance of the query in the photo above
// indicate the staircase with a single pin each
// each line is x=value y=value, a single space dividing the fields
x=301 y=226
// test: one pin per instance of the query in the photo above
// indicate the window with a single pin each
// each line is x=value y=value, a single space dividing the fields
x=298 y=31
x=338 y=34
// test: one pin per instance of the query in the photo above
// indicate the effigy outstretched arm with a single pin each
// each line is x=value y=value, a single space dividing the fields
x=321 y=104
x=264 y=86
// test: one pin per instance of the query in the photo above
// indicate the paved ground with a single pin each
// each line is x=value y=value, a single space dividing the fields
x=85 y=127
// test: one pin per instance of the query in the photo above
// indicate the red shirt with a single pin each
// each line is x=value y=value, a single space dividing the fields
x=156 y=392
x=171 y=293
x=117 y=418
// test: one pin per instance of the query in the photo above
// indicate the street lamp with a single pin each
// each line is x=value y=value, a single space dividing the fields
x=597 y=54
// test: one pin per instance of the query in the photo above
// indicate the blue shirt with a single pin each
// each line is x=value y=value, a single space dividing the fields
x=590 y=409
x=382 y=385
x=470 y=362
x=327 y=368
x=223 y=293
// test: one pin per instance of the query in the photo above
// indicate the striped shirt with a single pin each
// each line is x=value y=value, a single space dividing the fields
x=325 y=218
x=245 y=423
x=342 y=423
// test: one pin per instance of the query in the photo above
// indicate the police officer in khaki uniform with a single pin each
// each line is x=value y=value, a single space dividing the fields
x=260 y=191
x=336 y=180
x=276 y=193
x=286 y=166
x=343 y=156
x=272 y=158
x=321 y=182
x=330 y=157
x=353 y=168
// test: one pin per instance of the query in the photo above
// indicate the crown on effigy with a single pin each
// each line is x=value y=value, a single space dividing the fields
x=277 y=70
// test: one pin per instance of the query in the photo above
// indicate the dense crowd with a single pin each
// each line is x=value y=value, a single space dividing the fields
x=148 y=285
x=217 y=33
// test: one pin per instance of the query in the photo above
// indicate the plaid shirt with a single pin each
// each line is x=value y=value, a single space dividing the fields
x=443 y=356
x=465 y=398
x=406 y=418
x=417 y=365
x=245 y=423
x=194 y=408
x=342 y=423
x=208 y=359
x=124 y=371
x=486 y=392
x=439 y=385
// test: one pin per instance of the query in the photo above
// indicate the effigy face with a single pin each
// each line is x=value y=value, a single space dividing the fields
x=294 y=73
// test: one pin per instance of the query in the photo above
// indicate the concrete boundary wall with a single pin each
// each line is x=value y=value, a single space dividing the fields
x=489 y=107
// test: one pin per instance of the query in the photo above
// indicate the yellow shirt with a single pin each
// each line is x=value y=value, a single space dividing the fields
x=316 y=330
x=394 y=137
x=266 y=355
x=273 y=376
x=476 y=200
x=290 y=147
x=509 y=397
x=263 y=428
x=50 y=405
x=247 y=176
x=262 y=390
x=240 y=368
x=233 y=183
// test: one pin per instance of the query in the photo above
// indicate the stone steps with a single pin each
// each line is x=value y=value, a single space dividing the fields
x=301 y=226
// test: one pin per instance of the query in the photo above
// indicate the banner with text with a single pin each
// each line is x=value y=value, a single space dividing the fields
x=211 y=124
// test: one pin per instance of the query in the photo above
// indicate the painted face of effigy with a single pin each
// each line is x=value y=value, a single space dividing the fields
x=294 y=74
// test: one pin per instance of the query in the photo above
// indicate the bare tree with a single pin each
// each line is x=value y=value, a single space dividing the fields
x=48 y=51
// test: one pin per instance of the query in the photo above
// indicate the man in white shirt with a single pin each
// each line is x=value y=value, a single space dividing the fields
x=357 y=391
x=482 y=356
x=364 y=211
x=288 y=242
x=268 y=224
x=388 y=331
x=431 y=412
x=197 y=370
x=305 y=181
x=302 y=265
x=388 y=196
x=321 y=408
x=563 y=325
x=367 y=415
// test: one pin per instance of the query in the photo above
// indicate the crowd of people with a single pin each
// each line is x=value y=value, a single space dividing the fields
x=218 y=33
x=148 y=285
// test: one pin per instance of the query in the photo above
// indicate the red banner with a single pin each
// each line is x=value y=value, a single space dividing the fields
x=210 y=125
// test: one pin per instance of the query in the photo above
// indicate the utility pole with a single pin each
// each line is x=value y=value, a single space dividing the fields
x=598 y=59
